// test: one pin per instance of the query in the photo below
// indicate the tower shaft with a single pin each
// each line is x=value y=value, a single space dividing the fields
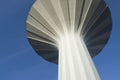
x=75 y=62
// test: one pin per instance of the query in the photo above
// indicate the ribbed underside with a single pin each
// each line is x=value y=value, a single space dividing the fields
x=48 y=20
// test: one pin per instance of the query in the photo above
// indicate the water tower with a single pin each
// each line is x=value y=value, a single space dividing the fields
x=70 y=33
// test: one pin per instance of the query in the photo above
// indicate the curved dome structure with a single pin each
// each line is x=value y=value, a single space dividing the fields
x=47 y=19
x=69 y=23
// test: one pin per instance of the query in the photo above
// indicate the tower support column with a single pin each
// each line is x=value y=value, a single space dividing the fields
x=75 y=62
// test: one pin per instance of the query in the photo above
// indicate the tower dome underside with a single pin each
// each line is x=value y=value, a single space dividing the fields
x=48 y=18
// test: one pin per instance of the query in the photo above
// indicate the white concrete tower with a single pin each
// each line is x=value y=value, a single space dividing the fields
x=70 y=33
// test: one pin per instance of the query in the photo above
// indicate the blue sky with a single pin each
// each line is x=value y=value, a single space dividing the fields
x=18 y=61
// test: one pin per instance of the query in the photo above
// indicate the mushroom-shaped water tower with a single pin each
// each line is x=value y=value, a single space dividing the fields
x=70 y=33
